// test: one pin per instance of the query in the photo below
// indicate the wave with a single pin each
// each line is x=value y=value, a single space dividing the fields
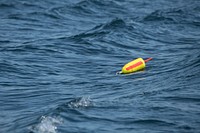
x=190 y=99
x=6 y=5
x=81 y=102
x=98 y=40
x=116 y=24
x=178 y=15
x=158 y=15
x=47 y=124
x=153 y=122
x=54 y=117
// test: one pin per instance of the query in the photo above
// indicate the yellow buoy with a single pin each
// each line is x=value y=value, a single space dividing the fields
x=134 y=66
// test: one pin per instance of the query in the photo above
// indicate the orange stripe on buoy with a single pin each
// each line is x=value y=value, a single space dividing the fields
x=134 y=65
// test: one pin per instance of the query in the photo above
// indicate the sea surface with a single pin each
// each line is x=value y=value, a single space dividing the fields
x=59 y=59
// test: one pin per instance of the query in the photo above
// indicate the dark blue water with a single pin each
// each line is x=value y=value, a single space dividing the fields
x=58 y=64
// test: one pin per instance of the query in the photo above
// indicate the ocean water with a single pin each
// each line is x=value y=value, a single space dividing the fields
x=59 y=58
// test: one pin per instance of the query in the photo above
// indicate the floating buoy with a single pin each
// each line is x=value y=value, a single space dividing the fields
x=134 y=66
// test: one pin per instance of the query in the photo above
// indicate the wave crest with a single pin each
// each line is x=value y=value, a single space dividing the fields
x=47 y=125
x=80 y=102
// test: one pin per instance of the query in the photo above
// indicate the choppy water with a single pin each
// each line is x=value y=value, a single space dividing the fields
x=58 y=64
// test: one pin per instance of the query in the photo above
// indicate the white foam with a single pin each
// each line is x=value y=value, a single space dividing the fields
x=80 y=102
x=47 y=125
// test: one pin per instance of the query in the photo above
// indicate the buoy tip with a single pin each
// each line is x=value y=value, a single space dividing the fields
x=148 y=59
